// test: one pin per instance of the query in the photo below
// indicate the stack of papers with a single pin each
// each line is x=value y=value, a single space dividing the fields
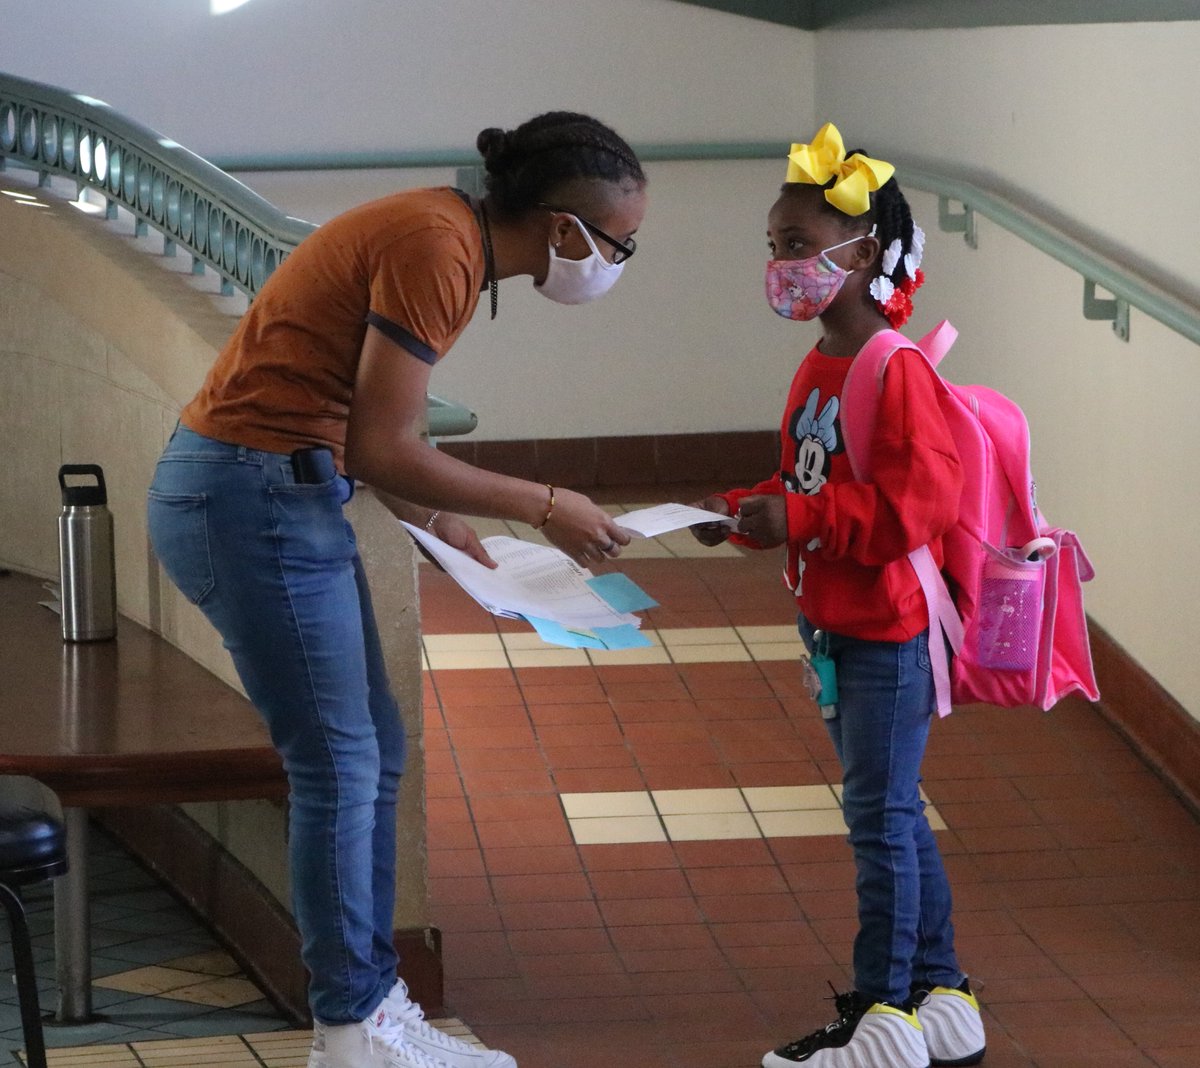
x=565 y=603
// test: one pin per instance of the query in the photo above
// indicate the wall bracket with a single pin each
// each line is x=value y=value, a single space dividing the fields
x=958 y=222
x=1114 y=309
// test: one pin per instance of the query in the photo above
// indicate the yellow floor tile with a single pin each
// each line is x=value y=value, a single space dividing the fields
x=153 y=980
x=458 y=643
x=775 y=650
x=611 y=831
x=522 y=639
x=789 y=798
x=221 y=993
x=213 y=962
x=281 y=1049
x=709 y=654
x=655 y=655
x=224 y=1050
x=711 y=826
x=548 y=656
x=674 y=637
x=114 y=1056
x=769 y=635
x=678 y=802
x=607 y=803
x=466 y=659
x=801 y=824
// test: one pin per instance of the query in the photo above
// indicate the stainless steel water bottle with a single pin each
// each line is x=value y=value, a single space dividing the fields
x=86 y=562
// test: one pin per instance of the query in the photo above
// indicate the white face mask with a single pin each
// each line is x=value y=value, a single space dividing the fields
x=579 y=281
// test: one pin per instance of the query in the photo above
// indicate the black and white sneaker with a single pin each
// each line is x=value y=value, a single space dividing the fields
x=953 y=1025
x=866 y=1034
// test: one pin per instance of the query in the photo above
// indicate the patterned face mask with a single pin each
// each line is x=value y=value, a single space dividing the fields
x=803 y=289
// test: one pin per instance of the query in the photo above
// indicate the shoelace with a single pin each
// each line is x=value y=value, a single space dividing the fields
x=411 y=1014
x=849 y=1009
x=391 y=1034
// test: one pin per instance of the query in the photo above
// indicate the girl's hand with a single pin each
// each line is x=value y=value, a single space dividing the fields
x=583 y=530
x=711 y=534
x=764 y=518
x=456 y=531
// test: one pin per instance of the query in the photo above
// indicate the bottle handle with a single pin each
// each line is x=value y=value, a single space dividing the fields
x=83 y=469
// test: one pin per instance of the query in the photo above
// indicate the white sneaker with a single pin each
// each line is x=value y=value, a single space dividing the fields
x=374 y=1043
x=953 y=1026
x=866 y=1034
x=406 y=1013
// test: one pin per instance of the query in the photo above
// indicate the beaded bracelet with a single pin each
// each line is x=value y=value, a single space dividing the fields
x=432 y=518
x=549 y=509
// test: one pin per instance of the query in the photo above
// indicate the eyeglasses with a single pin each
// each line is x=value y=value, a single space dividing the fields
x=622 y=250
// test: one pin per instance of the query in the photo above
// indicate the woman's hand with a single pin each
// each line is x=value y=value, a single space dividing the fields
x=764 y=518
x=457 y=532
x=711 y=534
x=583 y=530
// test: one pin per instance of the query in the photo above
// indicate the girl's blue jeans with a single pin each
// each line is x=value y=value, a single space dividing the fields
x=274 y=566
x=885 y=706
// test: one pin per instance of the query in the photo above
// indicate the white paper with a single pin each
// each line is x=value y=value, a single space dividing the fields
x=531 y=580
x=662 y=518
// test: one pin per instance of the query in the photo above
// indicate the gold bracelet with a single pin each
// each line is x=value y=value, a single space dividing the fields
x=549 y=509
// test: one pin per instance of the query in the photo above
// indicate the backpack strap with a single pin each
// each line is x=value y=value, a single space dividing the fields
x=937 y=342
x=859 y=410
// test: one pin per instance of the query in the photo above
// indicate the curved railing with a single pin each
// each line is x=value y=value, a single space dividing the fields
x=224 y=225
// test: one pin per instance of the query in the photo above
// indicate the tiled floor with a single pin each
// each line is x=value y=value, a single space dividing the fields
x=157 y=972
x=707 y=929
x=570 y=941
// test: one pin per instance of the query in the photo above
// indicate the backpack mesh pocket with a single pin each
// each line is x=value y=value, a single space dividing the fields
x=1009 y=614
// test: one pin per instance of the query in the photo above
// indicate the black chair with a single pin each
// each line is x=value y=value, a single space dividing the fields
x=33 y=848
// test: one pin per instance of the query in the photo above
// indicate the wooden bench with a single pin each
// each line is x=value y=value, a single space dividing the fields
x=127 y=722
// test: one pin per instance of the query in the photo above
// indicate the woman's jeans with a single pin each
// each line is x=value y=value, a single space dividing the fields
x=885 y=705
x=274 y=566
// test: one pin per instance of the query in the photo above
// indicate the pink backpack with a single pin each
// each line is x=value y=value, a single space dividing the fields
x=1015 y=619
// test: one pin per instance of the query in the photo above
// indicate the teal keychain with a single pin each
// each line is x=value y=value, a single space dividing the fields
x=820 y=676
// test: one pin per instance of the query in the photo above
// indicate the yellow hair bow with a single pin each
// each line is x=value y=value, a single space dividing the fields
x=825 y=158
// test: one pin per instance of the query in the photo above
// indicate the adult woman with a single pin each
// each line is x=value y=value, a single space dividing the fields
x=324 y=381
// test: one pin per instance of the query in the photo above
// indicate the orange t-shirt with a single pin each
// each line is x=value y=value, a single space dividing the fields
x=410 y=264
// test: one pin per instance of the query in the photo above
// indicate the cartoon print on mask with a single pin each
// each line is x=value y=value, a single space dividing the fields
x=817 y=439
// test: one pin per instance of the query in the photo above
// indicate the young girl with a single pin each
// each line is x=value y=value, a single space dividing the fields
x=844 y=248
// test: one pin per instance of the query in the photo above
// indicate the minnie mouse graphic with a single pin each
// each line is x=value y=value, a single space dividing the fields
x=817 y=438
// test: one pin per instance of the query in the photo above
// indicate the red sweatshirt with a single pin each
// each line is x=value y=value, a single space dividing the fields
x=848 y=541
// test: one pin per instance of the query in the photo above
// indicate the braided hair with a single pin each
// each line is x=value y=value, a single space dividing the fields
x=524 y=166
x=890 y=219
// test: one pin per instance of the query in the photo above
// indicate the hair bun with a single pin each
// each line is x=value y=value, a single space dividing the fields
x=493 y=145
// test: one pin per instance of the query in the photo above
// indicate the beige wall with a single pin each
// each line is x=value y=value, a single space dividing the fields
x=99 y=346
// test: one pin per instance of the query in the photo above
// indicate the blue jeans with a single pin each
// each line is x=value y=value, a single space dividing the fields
x=885 y=706
x=274 y=566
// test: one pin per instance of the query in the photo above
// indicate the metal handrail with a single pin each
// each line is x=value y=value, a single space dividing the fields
x=1129 y=288
x=223 y=224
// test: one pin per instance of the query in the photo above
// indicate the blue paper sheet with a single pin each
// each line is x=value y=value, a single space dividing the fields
x=622 y=593
x=623 y=637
